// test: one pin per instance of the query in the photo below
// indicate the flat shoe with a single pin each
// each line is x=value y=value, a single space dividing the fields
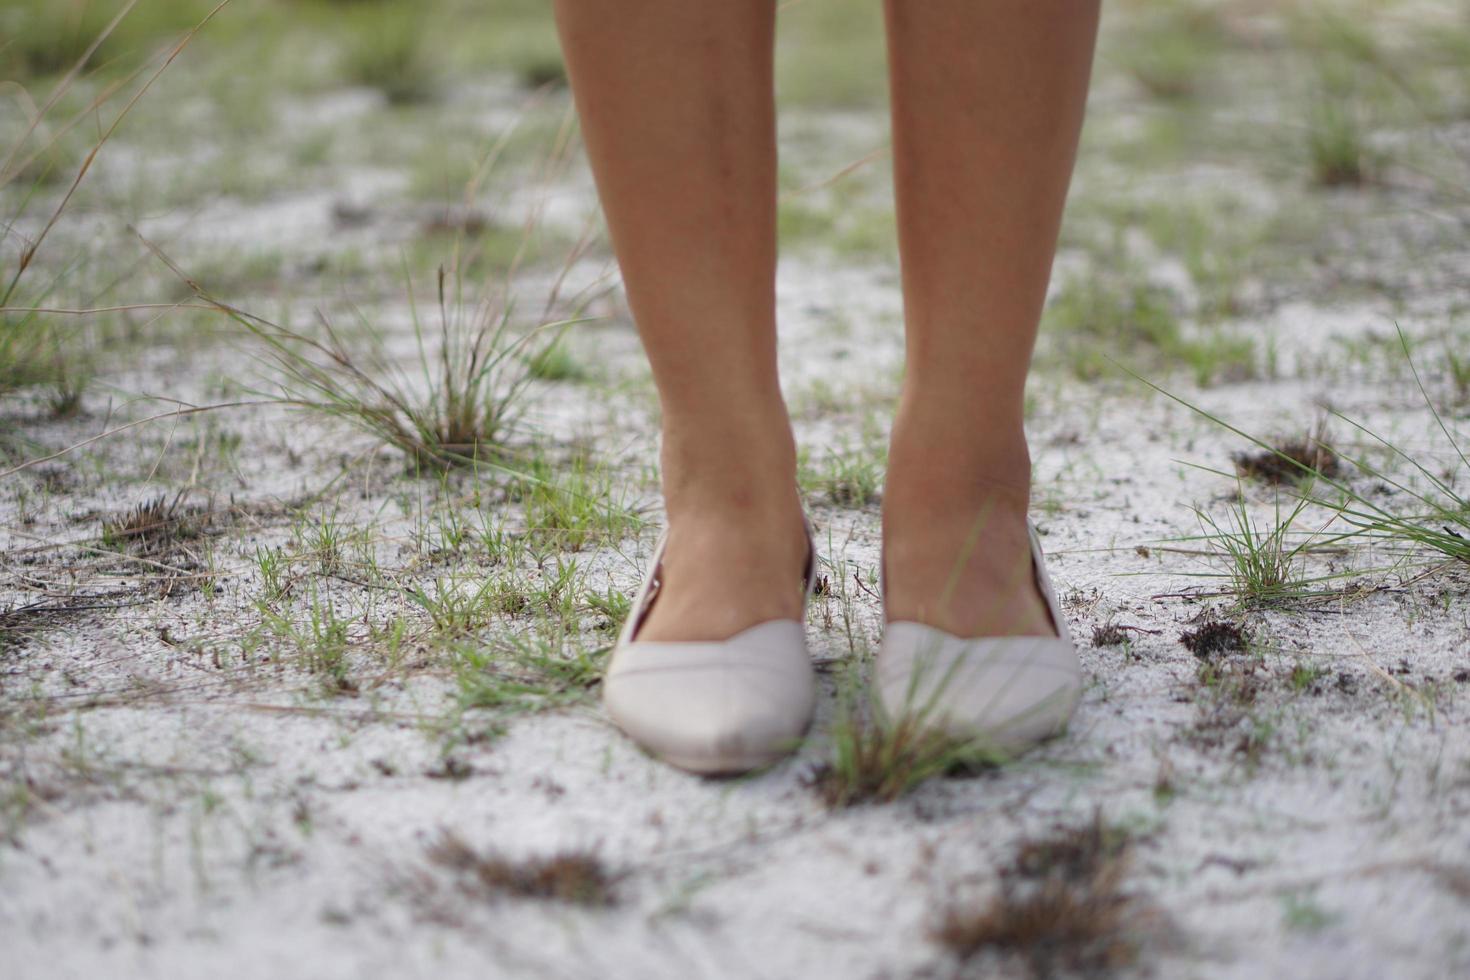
x=712 y=707
x=1005 y=693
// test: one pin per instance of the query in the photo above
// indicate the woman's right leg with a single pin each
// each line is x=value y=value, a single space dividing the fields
x=677 y=112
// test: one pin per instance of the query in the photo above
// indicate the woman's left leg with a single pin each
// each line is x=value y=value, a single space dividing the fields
x=987 y=101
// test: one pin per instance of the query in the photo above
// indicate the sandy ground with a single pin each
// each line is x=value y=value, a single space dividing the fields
x=183 y=801
x=200 y=818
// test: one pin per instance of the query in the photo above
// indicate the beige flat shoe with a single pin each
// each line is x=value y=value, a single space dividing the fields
x=714 y=708
x=1003 y=693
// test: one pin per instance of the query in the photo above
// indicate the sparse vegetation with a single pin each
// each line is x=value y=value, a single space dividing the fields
x=519 y=674
x=1436 y=519
x=878 y=759
x=321 y=640
x=250 y=654
x=389 y=51
x=1339 y=123
x=846 y=477
x=1173 y=48
x=579 y=506
x=1105 y=315
x=36 y=350
x=44 y=38
x=1222 y=247
x=1263 y=563
x=1301 y=912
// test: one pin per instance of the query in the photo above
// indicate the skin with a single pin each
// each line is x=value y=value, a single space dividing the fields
x=987 y=103
x=677 y=110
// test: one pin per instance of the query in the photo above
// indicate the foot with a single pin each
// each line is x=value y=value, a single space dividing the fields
x=955 y=547
x=740 y=694
x=723 y=573
x=737 y=546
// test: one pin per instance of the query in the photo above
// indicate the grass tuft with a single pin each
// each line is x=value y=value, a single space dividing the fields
x=1350 y=71
x=849 y=477
x=1337 y=143
x=877 y=759
x=142 y=525
x=460 y=410
x=389 y=52
x=1262 y=563
x=38 y=353
x=520 y=675
x=1435 y=518
x=1172 y=48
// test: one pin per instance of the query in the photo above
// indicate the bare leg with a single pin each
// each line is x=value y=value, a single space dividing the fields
x=677 y=111
x=987 y=107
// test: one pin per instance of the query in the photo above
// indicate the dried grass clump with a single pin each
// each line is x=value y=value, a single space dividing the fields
x=1062 y=907
x=1291 y=460
x=153 y=527
x=575 y=877
x=1215 y=637
x=1075 y=853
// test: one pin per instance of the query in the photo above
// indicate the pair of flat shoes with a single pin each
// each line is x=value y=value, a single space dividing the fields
x=734 y=705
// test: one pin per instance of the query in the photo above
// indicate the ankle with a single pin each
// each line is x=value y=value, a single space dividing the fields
x=741 y=475
x=956 y=548
x=945 y=462
x=737 y=539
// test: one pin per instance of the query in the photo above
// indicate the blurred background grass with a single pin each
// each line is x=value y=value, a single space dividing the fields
x=1238 y=154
